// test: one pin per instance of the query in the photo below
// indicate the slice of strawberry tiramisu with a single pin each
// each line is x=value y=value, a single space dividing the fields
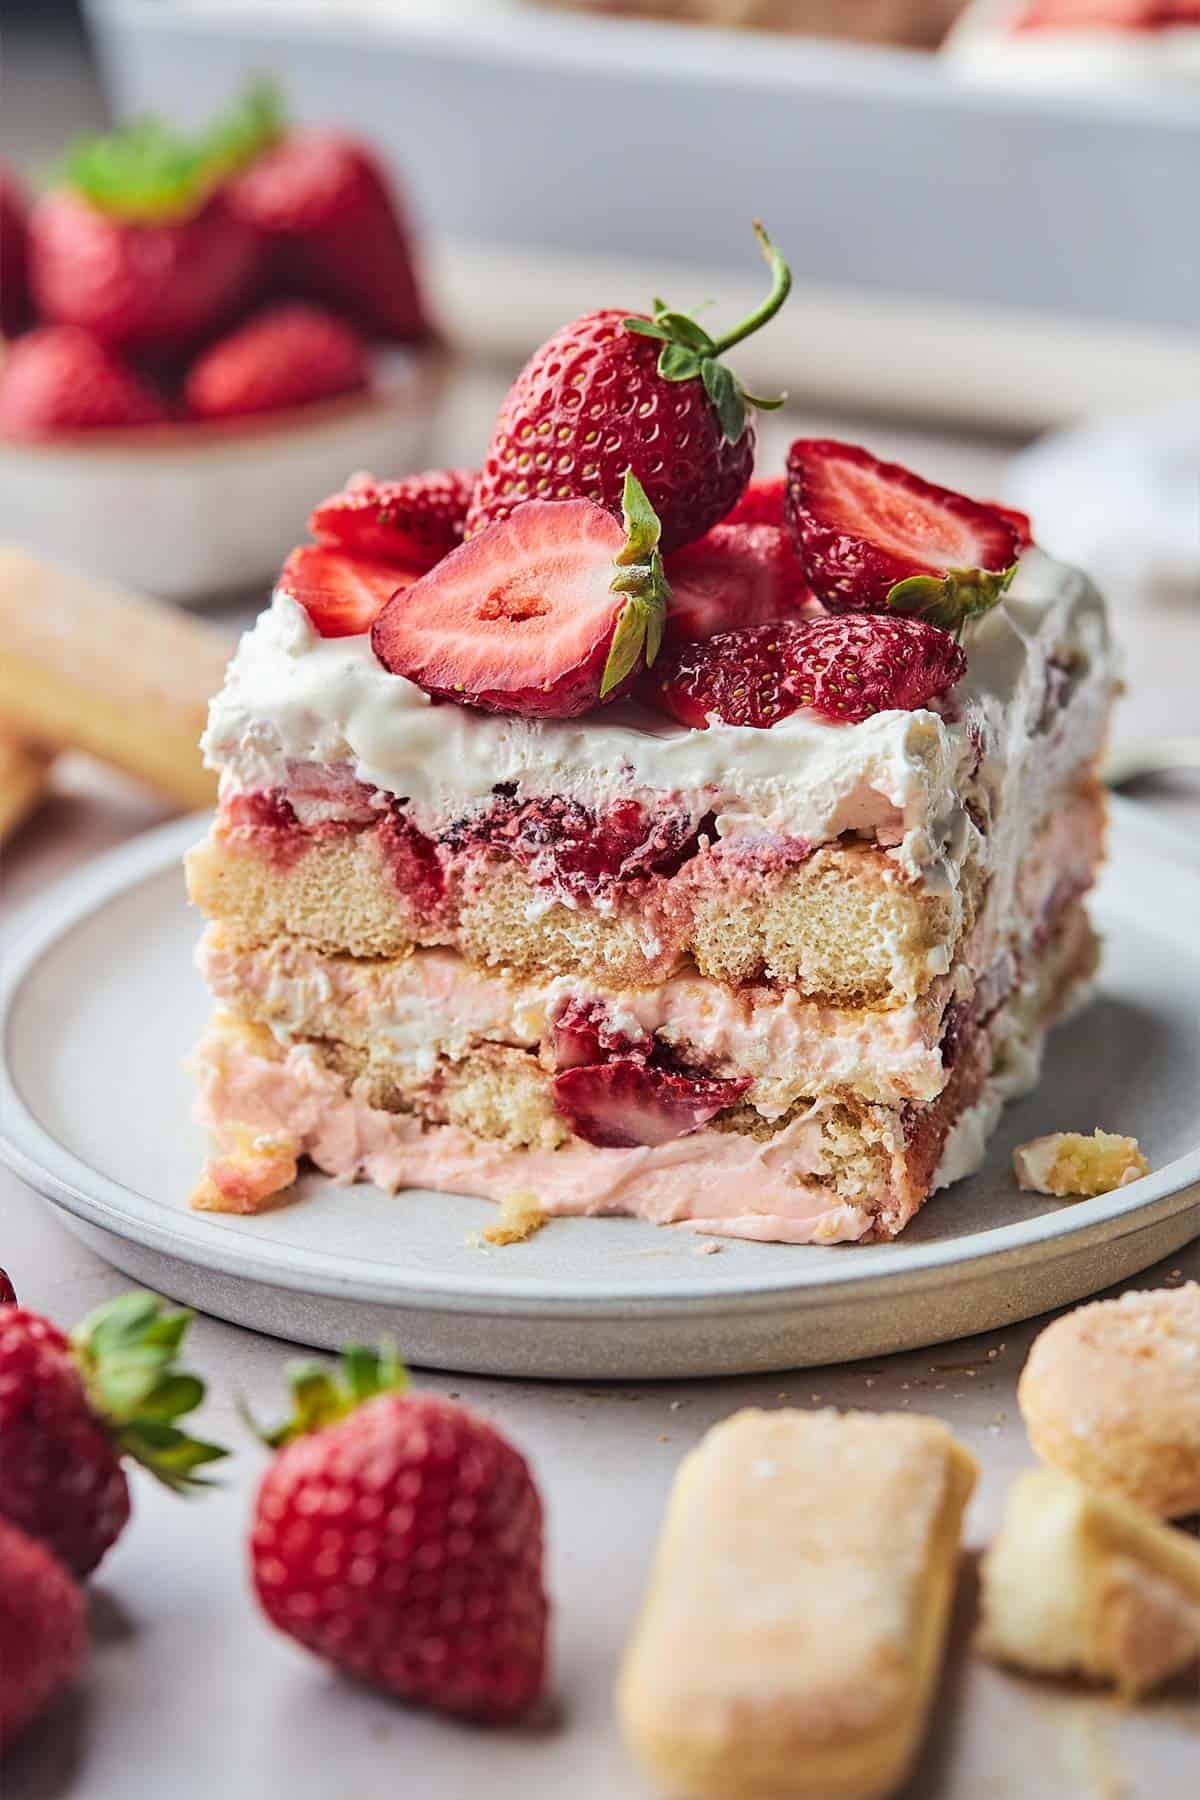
x=675 y=844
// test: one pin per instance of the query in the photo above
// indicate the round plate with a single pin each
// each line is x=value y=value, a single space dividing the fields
x=191 y=511
x=100 y=1004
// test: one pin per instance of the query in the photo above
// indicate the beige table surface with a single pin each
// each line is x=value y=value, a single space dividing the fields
x=190 y=1695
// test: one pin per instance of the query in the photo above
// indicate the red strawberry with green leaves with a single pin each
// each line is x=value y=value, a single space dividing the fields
x=843 y=668
x=285 y=356
x=334 y=230
x=58 y=379
x=546 y=614
x=72 y=1408
x=342 y=595
x=415 y=521
x=626 y=1101
x=137 y=246
x=610 y=392
x=14 y=255
x=735 y=575
x=43 y=1631
x=399 y=1537
x=871 y=536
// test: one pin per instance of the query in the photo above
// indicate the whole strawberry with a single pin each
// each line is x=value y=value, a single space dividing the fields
x=139 y=247
x=43 y=1630
x=609 y=393
x=71 y=1408
x=287 y=355
x=844 y=669
x=58 y=378
x=400 y=1537
x=334 y=231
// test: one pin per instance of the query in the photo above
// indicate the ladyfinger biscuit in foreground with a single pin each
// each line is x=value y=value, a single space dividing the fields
x=796 y=1614
x=1111 y=1393
x=128 y=680
x=24 y=774
x=1086 y=1583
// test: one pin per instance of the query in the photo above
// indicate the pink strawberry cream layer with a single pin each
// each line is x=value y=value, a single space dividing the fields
x=433 y=1004
x=689 y=1181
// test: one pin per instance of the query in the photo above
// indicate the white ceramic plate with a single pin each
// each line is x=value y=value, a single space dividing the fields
x=100 y=1004
x=190 y=512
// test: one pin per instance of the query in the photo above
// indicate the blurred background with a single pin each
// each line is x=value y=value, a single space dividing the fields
x=989 y=210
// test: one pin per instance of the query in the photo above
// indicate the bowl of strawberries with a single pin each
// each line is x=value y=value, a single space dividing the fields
x=197 y=331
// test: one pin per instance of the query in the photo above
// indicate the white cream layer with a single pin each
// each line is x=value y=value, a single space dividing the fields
x=292 y=697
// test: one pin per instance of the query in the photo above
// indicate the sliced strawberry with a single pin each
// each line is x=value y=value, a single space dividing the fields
x=582 y=1032
x=843 y=668
x=342 y=595
x=624 y=1103
x=737 y=575
x=1020 y=521
x=862 y=526
x=761 y=504
x=544 y=614
x=416 y=521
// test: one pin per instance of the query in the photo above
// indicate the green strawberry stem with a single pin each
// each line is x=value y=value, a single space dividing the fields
x=951 y=600
x=125 y=1352
x=689 y=351
x=150 y=173
x=320 y=1398
x=639 y=573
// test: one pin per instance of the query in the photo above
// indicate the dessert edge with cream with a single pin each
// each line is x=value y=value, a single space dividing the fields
x=691 y=871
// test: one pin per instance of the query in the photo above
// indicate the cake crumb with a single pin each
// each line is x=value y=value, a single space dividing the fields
x=1070 y=1165
x=254 y=1170
x=520 y=1217
x=708 y=1248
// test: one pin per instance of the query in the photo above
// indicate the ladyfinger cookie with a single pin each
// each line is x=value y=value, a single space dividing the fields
x=794 y=1623
x=1111 y=1393
x=1084 y=1583
x=128 y=680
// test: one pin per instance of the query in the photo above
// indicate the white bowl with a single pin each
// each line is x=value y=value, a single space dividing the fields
x=191 y=511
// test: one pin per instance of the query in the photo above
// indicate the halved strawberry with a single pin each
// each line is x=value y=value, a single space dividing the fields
x=544 y=614
x=761 y=504
x=342 y=595
x=621 y=1104
x=736 y=575
x=582 y=1032
x=862 y=527
x=1020 y=521
x=846 y=669
x=416 y=521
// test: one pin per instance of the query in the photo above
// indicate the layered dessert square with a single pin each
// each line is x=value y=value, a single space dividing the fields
x=760 y=946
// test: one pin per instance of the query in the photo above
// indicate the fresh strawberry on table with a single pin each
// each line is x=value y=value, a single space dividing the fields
x=611 y=392
x=334 y=230
x=399 y=1536
x=734 y=575
x=58 y=378
x=287 y=355
x=72 y=1408
x=872 y=535
x=14 y=256
x=843 y=668
x=545 y=614
x=415 y=521
x=343 y=595
x=43 y=1630
x=139 y=247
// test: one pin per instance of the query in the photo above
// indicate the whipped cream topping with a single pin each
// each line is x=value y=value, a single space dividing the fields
x=292 y=697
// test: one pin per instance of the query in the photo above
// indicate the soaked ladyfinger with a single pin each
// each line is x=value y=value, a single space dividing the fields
x=792 y=1631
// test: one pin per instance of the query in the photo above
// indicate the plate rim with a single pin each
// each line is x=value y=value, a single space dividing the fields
x=56 y=1173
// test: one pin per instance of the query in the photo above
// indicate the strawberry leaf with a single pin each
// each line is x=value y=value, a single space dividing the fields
x=647 y=328
x=951 y=600
x=678 y=362
x=251 y=125
x=125 y=1353
x=724 y=390
x=320 y=1398
x=638 y=572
